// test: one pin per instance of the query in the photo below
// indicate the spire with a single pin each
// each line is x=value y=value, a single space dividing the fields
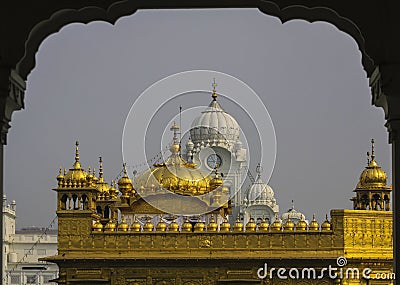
x=367 y=157
x=214 y=95
x=175 y=147
x=124 y=168
x=292 y=204
x=259 y=169
x=101 y=169
x=372 y=149
x=77 y=163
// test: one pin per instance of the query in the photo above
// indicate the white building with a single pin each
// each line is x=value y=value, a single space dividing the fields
x=23 y=248
x=215 y=142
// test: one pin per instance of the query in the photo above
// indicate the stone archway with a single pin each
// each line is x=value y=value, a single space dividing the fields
x=373 y=26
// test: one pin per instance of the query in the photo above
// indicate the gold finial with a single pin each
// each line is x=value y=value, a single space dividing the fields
x=259 y=169
x=214 y=95
x=124 y=167
x=100 y=168
x=372 y=149
x=367 y=157
x=65 y=171
x=77 y=163
x=60 y=171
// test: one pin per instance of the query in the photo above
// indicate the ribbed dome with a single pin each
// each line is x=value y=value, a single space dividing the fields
x=260 y=193
x=215 y=126
x=174 y=175
x=293 y=215
x=373 y=177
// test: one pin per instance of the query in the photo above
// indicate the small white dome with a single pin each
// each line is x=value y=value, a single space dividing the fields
x=260 y=193
x=216 y=126
x=294 y=215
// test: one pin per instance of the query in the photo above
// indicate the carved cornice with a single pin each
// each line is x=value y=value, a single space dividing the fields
x=385 y=90
x=12 y=92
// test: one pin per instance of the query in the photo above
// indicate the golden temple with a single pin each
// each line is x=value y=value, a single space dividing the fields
x=174 y=225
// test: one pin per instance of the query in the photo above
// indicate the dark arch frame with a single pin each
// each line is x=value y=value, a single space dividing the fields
x=374 y=28
x=61 y=18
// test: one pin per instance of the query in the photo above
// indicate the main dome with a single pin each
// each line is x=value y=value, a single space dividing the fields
x=174 y=175
x=214 y=126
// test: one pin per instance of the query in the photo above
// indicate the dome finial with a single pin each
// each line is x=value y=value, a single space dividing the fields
x=175 y=146
x=259 y=169
x=372 y=149
x=100 y=168
x=77 y=163
x=124 y=168
x=367 y=157
x=214 y=95
x=292 y=204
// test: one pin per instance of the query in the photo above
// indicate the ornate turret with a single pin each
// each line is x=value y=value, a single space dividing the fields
x=326 y=225
x=225 y=226
x=313 y=226
x=125 y=186
x=251 y=225
x=372 y=193
x=161 y=226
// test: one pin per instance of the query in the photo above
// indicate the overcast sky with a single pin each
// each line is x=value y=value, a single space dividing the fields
x=309 y=76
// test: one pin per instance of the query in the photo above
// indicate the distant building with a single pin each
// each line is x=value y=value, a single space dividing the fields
x=23 y=248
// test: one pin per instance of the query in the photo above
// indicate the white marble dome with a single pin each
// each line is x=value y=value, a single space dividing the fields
x=215 y=127
x=260 y=193
x=294 y=215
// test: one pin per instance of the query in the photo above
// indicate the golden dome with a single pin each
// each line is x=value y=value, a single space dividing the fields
x=326 y=226
x=174 y=175
x=373 y=177
x=161 y=226
x=186 y=226
x=101 y=185
x=225 y=226
x=76 y=176
x=148 y=226
x=276 y=226
x=199 y=226
x=136 y=227
x=216 y=181
x=212 y=225
x=313 y=226
x=113 y=191
x=97 y=226
x=301 y=226
x=289 y=225
x=238 y=225
x=125 y=183
x=263 y=226
x=123 y=226
x=110 y=226
x=173 y=226
x=251 y=226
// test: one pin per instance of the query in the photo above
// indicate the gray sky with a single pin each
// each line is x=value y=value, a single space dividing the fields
x=309 y=76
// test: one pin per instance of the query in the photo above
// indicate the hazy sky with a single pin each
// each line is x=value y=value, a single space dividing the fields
x=309 y=76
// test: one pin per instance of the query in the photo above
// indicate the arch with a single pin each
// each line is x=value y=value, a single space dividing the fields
x=120 y=9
